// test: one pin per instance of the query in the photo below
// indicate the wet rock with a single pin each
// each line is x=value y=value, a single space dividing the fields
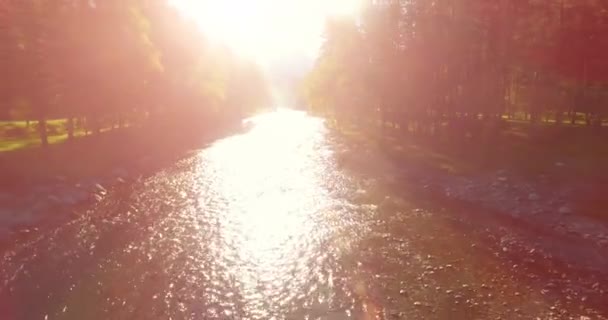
x=394 y=314
x=100 y=189
x=417 y=304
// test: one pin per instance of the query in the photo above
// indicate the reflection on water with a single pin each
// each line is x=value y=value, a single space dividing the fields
x=264 y=225
x=253 y=227
x=278 y=216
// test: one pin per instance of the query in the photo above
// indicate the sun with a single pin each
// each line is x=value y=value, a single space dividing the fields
x=265 y=29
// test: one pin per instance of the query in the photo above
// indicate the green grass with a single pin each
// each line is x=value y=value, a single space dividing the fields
x=97 y=155
x=57 y=133
x=30 y=137
x=520 y=147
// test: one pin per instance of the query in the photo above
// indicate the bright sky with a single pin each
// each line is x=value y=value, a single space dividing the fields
x=266 y=30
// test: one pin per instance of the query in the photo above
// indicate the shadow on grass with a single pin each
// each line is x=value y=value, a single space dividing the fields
x=575 y=153
x=465 y=229
x=564 y=156
x=138 y=150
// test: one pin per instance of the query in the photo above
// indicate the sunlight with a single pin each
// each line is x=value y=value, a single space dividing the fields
x=265 y=29
x=277 y=219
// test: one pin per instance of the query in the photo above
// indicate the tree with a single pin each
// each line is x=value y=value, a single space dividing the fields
x=463 y=64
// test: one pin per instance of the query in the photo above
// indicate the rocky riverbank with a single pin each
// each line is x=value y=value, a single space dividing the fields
x=52 y=202
x=44 y=188
x=552 y=213
x=543 y=200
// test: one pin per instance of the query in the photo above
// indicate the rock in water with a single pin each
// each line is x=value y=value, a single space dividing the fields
x=99 y=188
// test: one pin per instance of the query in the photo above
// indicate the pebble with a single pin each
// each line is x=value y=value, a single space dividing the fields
x=417 y=303
x=100 y=189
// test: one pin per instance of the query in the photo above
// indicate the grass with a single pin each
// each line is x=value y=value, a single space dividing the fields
x=57 y=134
x=568 y=155
x=22 y=159
x=29 y=136
x=520 y=147
x=96 y=156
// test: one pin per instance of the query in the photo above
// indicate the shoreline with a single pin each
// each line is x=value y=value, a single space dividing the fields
x=36 y=202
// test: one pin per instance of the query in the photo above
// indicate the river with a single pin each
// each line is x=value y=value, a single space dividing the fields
x=268 y=224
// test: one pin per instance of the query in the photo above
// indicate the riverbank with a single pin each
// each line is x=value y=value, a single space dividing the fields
x=43 y=187
x=556 y=201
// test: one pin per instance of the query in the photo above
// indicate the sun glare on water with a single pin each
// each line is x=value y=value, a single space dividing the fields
x=265 y=29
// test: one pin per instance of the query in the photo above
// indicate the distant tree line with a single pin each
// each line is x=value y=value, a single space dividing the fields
x=457 y=66
x=109 y=62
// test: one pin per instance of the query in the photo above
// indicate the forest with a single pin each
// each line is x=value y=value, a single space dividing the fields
x=77 y=67
x=465 y=68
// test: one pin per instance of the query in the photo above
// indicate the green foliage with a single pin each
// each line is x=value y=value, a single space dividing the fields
x=115 y=59
x=436 y=65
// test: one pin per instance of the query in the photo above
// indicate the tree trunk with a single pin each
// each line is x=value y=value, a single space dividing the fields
x=573 y=117
x=96 y=125
x=559 y=117
x=44 y=139
x=70 y=127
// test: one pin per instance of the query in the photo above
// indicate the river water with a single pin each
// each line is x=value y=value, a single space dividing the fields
x=269 y=225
